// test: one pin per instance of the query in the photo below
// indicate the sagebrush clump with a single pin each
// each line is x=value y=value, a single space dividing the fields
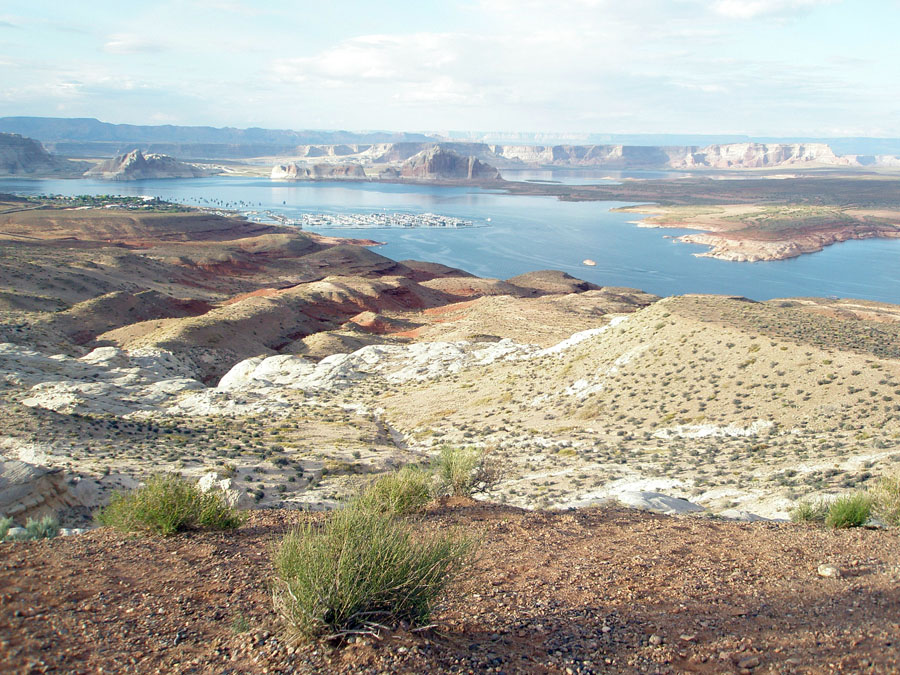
x=402 y=492
x=886 y=500
x=849 y=511
x=360 y=570
x=463 y=472
x=167 y=504
x=45 y=528
x=810 y=511
x=5 y=524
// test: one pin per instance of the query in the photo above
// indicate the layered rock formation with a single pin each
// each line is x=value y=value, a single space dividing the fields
x=294 y=171
x=30 y=491
x=407 y=159
x=440 y=163
x=137 y=166
x=20 y=156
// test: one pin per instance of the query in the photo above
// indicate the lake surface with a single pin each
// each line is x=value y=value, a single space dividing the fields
x=530 y=233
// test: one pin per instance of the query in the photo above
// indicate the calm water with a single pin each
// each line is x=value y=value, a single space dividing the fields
x=532 y=233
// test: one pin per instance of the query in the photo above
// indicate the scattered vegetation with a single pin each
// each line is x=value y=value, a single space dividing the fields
x=360 y=570
x=167 y=504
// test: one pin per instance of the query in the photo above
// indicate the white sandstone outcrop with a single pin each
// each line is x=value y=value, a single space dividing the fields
x=658 y=503
x=106 y=380
x=235 y=497
x=714 y=431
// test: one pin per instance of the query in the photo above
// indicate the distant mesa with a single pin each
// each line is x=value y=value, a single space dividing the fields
x=20 y=156
x=441 y=163
x=433 y=163
x=294 y=171
x=137 y=166
x=480 y=161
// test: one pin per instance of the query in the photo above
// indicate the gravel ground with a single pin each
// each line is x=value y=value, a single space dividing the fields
x=589 y=591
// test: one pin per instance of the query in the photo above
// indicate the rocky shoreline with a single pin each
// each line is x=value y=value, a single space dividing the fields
x=727 y=242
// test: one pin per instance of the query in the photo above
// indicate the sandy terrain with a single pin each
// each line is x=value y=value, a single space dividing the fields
x=592 y=591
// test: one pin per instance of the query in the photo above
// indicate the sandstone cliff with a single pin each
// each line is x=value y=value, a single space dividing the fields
x=25 y=156
x=614 y=157
x=294 y=171
x=758 y=155
x=440 y=163
x=136 y=166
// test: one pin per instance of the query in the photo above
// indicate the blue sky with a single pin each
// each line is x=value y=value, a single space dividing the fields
x=758 y=67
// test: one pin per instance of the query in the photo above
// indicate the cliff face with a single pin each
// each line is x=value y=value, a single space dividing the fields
x=136 y=166
x=426 y=160
x=295 y=171
x=730 y=156
x=758 y=155
x=438 y=163
x=25 y=156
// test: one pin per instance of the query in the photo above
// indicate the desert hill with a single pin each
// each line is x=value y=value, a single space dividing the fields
x=588 y=393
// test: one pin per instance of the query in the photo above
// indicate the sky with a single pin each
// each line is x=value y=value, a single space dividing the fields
x=756 y=67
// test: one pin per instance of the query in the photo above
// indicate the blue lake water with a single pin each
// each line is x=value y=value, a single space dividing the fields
x=531 y=233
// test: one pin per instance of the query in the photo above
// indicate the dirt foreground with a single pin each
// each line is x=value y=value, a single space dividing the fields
x=598 y=590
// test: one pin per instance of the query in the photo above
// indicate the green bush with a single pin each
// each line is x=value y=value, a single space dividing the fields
x=45 y=528
x=886 y=500
x=403 y=492
x=849 y=511
x=167 y=504
x=5 y=524
x=462 y=472
x=810 y=511
x=360 y=570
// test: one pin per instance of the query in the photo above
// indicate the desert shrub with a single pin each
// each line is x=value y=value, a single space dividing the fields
x=462 y=472
x=849 y=511
x=5 y=524
x=810 y=511
x=886 y=500
x=167 y=504
x=362 y=569
x=45 y=528
x=402 y=492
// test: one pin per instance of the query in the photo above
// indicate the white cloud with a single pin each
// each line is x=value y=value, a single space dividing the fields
x=129 y=43
x=751 y=9
x=398 y=58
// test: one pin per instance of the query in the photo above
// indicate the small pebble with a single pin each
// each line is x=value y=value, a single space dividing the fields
x=829 y=571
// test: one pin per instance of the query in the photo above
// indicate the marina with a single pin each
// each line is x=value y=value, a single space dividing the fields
x=375 y=220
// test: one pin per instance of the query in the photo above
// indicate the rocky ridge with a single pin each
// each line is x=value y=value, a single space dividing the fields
x=732 y=156
x=20 y=156
x=137 y=166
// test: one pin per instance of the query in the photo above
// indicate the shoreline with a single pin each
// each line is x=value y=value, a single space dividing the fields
x=720 y=206
x=728 y=229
